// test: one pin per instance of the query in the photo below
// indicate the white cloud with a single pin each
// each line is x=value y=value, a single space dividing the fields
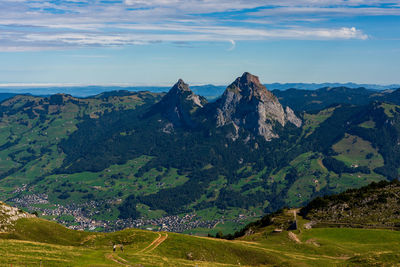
x=44 y=24
x=219 y=34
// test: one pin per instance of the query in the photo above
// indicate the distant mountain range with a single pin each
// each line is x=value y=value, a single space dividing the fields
x=314 y=86
x=309 y=100
x=209 y=91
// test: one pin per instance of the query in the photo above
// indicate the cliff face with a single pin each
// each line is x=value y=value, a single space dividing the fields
x=248 y=104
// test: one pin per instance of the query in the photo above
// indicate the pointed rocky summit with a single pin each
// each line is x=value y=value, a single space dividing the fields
x=179 y=104
x=247 y=103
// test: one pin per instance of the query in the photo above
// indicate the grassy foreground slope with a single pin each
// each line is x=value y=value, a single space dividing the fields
x=33 y=241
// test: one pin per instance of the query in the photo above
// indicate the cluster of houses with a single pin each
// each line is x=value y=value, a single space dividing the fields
x=173 y=223
x=80 y=216
x=26 y=201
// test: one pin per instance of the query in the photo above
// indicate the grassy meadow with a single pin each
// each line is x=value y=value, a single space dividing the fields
x=37 y=241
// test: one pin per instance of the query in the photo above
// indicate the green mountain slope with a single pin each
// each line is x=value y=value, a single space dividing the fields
x=122 y=159
x=376 y=205
x=32 y=127
x=314 y=100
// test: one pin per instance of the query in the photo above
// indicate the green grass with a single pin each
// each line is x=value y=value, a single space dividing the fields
x=26 y=253
x=353 y=150
x=314 y=177
x=365 y=239
x=37 y=240
x=368 y=124
x=253 y=178
x=390 y=109
x=30 y=133
x=202 y=249
x=312 y=121
x=115 y=182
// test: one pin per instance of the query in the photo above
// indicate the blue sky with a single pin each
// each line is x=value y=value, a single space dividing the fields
x=150 y=42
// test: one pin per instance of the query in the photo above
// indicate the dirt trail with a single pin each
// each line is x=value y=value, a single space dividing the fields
x=152 y=243
x=158 y=241
x=294 y=237
x=295 y=214
x=88 y=238
x=117 y=259
x=322 y=165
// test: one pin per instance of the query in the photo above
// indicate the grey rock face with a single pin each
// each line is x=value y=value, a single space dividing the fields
x=291 y=117
x=248 y=104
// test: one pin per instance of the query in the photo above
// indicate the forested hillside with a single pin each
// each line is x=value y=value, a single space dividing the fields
x=372 y=206
x=313 y=100
x=176 y=161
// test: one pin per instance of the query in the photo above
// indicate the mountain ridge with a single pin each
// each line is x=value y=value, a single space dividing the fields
x=102 y=154
x=246 y=103
x=208 y=90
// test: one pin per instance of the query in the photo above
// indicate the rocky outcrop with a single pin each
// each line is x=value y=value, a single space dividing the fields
x=179 y=105
x=8 y=216
x=291 y=117
x=246 y=103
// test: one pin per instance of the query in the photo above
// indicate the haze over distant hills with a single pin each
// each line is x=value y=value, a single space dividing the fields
x=209 y=91
x=314 y=86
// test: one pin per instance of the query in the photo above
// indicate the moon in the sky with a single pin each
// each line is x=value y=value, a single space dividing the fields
x=233 y=45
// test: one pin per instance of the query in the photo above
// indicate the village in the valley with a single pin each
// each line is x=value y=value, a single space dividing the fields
x=83 y=214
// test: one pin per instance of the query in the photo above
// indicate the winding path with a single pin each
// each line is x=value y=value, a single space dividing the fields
x=115 y=258
x=152 y=246
x=158 y=242
x=161 y=238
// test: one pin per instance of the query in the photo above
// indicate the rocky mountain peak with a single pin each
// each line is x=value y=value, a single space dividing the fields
x=246 y=103
x=179 y=104
x=249 y=78
x=181 y=94
x=180 y=86
x=249 y=86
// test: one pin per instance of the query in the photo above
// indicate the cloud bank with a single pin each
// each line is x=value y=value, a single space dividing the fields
x=55 y=25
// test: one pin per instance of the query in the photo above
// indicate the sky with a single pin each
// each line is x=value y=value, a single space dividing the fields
x=156 y=42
